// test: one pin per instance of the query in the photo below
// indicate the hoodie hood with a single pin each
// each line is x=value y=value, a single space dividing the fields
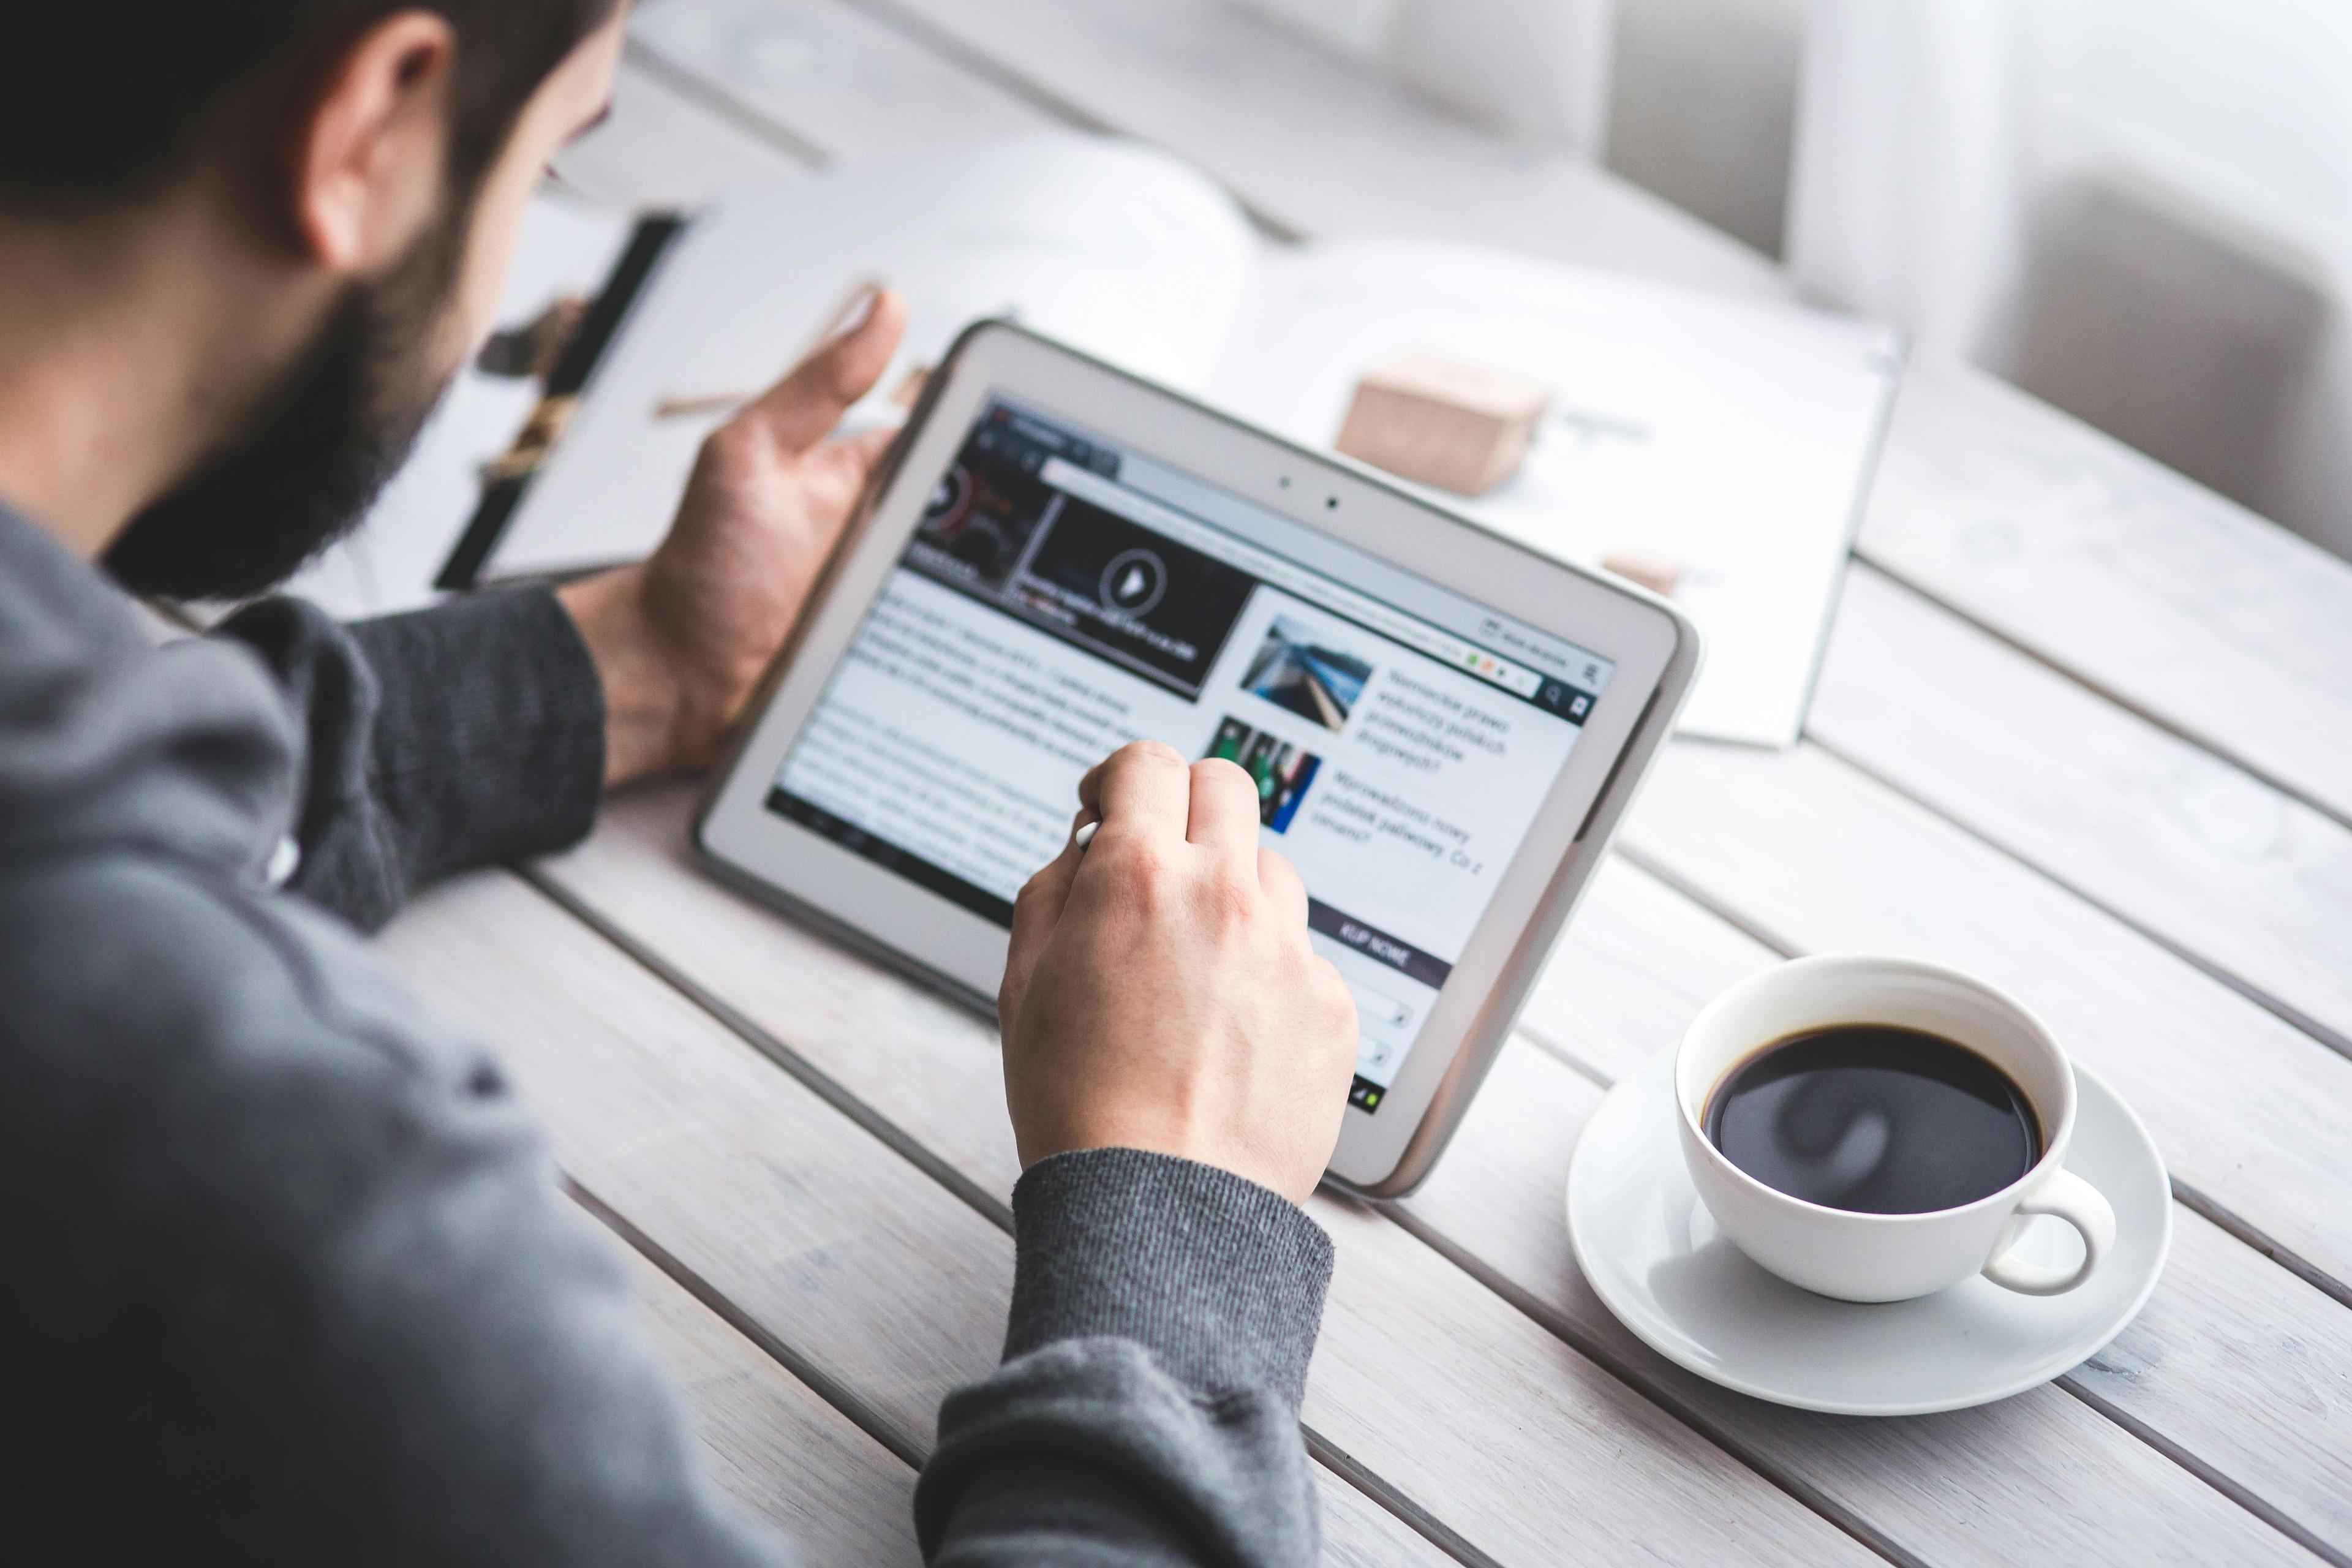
x=106 y=738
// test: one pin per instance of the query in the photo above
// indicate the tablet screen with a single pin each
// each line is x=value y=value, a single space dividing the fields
x=1063 y=596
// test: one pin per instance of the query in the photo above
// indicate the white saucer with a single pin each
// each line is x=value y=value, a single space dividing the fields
x=1653 y=1254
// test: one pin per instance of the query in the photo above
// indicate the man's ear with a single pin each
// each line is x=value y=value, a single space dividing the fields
x=370 y=147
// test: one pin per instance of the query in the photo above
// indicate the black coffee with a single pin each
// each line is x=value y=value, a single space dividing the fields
x=1874 y=1119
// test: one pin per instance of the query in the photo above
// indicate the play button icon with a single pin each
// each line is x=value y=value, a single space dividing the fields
x=1133 y=582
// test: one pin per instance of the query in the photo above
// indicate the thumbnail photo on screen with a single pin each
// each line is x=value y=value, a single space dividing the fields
x=1292 y=668
x=1281 y=770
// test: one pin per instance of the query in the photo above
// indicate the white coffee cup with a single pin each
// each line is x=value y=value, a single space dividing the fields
x=1859 y=1256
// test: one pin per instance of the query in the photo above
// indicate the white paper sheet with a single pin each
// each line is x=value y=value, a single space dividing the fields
x=389 y=563
x=1734 y=437
x=1112 y=248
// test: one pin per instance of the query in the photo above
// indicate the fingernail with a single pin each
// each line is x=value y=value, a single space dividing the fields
x=855 y=315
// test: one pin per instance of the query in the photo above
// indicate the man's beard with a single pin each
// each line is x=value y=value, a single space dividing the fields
x=323 y=443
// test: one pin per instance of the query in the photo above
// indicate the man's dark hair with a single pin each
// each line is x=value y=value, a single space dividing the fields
x=105 y=101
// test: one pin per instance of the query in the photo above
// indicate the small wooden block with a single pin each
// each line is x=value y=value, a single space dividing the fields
x=1461 y=427
x=1661 y=574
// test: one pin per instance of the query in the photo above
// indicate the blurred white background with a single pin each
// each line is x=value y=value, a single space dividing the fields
x=2140 y=210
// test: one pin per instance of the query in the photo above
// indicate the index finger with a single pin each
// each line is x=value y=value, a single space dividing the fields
x=1143 y=790
x=1035 y=912
x=806 y=406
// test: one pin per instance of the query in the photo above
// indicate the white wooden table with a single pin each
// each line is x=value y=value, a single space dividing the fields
x=2083 y=729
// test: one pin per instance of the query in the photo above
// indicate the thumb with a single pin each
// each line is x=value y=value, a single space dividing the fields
x=861 y=450
x=802 y=409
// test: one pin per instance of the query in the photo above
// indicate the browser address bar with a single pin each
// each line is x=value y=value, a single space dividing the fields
x=1136 y=507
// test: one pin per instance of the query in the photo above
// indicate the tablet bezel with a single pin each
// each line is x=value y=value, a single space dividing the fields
x=1652 y=647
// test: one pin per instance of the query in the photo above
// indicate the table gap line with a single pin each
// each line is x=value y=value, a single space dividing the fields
x=896 y=1139
x=927 y=36
x=1415 y=1518
x=1542 y=1039
x=2285 y=1011
x=2261 y=1241
x=2237 y=1492
x=1370 y=1484
x=868 y=1419
x=732 y=108
x=1544 y=1316
x=721 y=101
x=1737 y=919
x=2184 y=1193
x=2086 y=682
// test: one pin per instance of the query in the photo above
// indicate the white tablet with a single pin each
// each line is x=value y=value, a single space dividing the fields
x=1060 y=559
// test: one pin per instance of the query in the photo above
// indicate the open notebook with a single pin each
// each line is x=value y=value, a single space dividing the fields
x=1732 y=437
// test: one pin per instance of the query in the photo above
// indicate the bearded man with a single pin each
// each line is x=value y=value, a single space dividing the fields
x=290 y=1276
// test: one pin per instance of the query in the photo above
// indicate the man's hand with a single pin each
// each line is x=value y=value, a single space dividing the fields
x=1160 y=993
x=681 y=639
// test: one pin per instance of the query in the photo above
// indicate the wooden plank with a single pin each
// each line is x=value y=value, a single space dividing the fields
x=1310 y=141
x=1799 y=846
x=1650 y=934
x=2237 y=1363
x=858 y=1261
x=782 y=1454
x=2186 y=607
x=2180 y=843
x=1634 y=964
x=1419 y=1366
x=1359 y=1533
x=837 y=1246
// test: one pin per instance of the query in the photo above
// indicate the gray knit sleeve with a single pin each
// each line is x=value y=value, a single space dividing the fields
x=1146 y=1412
x=434 y=741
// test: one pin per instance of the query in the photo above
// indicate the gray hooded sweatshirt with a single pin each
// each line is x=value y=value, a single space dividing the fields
x=287 y=1275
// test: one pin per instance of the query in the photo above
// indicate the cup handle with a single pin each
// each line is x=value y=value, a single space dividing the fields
x=2080 y=1204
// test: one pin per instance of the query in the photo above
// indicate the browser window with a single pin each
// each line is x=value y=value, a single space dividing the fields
x=1062 y=597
